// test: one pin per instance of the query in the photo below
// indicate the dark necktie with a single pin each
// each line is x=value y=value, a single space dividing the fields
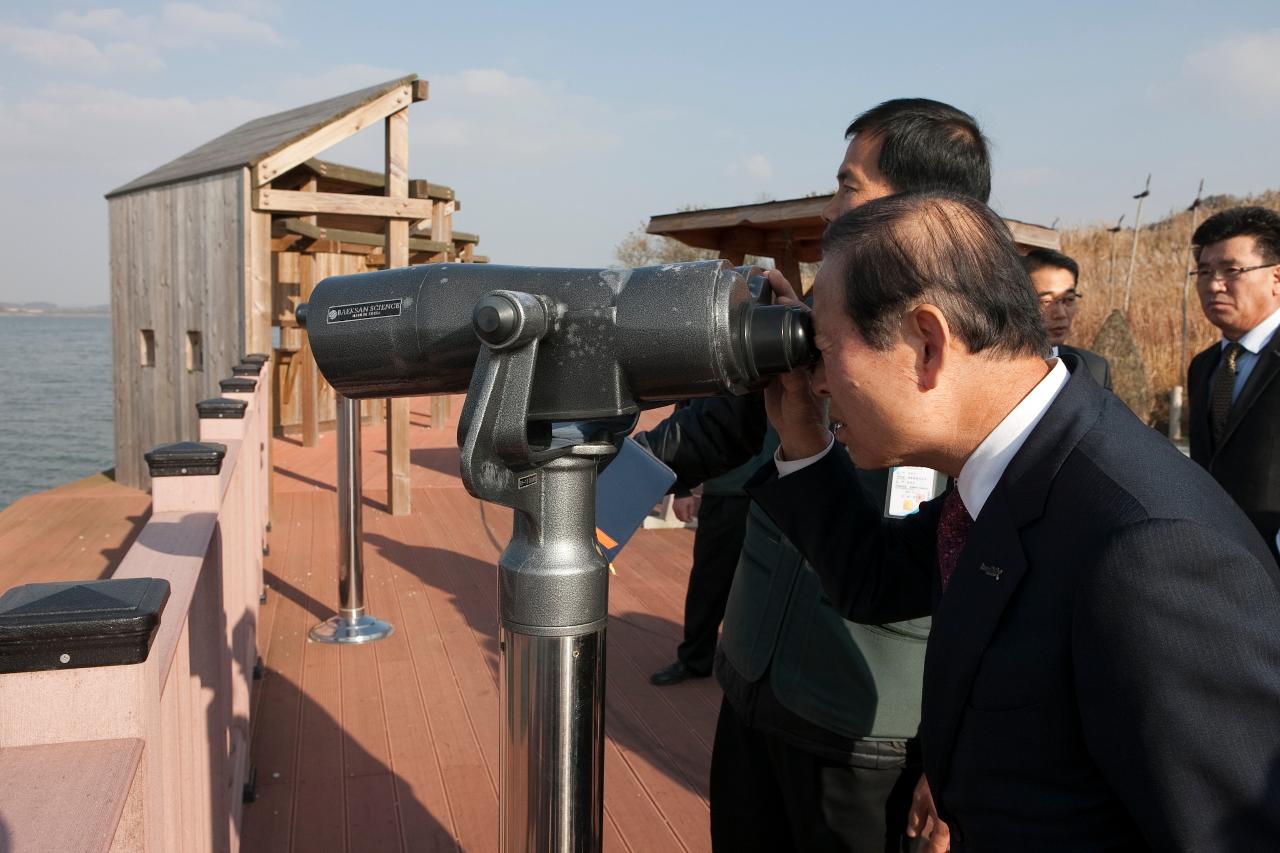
x=1223 y=383
x=953 y=532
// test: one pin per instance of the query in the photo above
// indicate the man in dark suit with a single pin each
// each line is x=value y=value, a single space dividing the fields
x=1104 y=667
x=1054 y=277
x=1235 y=395
x=815 y=746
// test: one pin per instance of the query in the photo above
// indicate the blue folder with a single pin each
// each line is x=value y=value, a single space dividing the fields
x=626 y=491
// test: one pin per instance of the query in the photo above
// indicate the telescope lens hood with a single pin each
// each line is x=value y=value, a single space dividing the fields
x=778 y=339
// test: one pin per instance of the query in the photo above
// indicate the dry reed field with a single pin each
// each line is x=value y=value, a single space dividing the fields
x=1155 y=308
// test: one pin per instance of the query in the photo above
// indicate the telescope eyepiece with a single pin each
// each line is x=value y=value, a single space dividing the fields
x=778 y=339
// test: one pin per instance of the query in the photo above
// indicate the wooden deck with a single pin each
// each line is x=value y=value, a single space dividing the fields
x=394 y=746
x=78 y=531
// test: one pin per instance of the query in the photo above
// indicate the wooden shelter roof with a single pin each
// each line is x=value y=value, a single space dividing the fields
x=769 y=228
x=257 y=140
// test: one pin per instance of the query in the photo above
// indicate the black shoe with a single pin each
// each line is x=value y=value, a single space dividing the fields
x=674 y=674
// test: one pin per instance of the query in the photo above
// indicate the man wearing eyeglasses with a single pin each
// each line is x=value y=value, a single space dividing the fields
x=1054 y=277
x=1235 y=393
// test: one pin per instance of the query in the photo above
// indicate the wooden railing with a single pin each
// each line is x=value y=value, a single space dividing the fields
x=151 y=752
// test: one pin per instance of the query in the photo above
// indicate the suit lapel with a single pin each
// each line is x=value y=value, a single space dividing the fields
x=986 y=576
x=1263 y=372
x=1198 y=389
x=993 y=564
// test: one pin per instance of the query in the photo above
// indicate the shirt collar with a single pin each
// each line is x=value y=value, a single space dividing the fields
x=1257 y=337
x=986 y=465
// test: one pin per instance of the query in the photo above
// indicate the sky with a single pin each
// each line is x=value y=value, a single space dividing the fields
x=563 y=126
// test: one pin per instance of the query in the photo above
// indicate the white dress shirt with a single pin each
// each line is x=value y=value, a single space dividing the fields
x=986 y=465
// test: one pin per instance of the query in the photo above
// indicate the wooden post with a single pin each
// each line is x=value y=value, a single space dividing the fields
x=789 y=265
x=309 y=386
x=397 y=252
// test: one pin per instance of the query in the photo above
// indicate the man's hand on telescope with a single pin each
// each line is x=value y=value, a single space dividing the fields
x=799 y=417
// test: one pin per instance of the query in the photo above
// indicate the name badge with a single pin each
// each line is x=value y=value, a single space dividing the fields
x=909 y=487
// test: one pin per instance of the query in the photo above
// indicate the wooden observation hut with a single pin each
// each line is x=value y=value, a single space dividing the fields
x=211 y=253
x=789 y=232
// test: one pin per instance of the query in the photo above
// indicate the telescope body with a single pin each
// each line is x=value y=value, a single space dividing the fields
x=618 y=338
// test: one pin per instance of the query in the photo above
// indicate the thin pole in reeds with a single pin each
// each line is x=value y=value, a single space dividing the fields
x=1111 y=273
x=1175 y=428
x=1133 y=255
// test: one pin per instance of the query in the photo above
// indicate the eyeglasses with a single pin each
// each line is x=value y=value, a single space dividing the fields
x=1066 y=300
x=1227 y=273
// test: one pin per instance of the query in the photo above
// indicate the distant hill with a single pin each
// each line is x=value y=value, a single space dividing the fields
x=1159 y=278
x=51 y=308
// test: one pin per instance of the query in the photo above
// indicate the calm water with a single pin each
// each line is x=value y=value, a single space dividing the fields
x=55 y=401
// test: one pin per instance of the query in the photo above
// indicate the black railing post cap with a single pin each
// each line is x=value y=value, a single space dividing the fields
x=257 y=358
x=79 y=624
x=245 y=368
x=185 y=459
x=241 y=384
x=221 y=407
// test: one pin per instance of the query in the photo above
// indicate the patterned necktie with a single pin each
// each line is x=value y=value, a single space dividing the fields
x=1223 y=384
x=953 y=532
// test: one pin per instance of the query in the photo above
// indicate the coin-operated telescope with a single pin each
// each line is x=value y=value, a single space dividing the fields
x=557 y=364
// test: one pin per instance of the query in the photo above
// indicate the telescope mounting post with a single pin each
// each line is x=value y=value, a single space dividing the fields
x=552 y=590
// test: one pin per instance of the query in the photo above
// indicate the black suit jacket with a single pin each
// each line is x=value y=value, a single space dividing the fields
x=1099 y=367
x=1247 y=460
x=1104 y=669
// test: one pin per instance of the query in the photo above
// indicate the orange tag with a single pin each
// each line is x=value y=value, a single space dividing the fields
x=605 y=539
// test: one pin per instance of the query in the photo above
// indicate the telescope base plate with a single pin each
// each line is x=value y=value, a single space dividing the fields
x=365 y=629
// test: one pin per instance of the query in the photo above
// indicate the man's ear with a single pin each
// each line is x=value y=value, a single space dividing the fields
x=928 y=327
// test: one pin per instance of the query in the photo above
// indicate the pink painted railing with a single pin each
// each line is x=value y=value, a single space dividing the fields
x=153 y=756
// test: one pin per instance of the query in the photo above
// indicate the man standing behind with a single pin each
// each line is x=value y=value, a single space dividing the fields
x=1054 y=277
x=814 y=748
x=1235 y=393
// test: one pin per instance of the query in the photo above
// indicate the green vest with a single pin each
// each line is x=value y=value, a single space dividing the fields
x=859 y=681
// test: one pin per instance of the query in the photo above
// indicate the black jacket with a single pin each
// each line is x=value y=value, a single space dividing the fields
x=1247 y=460
x=1104 y=669
x=787 y=661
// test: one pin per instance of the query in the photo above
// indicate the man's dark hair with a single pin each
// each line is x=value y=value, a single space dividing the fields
x=928 y=145
x=1038 y=259
x=1260 y=223
x=939 y=247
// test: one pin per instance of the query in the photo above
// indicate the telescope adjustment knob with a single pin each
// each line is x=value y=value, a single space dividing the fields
x=505 y=319
x=496 y=319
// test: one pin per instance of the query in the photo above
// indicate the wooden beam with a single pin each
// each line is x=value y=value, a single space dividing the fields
x=421 y=89
x=399 y=492
x=363 y=238
x=292 y=201
x=331 y=134
x=368 y=178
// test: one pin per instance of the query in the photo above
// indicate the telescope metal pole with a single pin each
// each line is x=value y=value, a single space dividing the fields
x=553 y=606
x=352 y=624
